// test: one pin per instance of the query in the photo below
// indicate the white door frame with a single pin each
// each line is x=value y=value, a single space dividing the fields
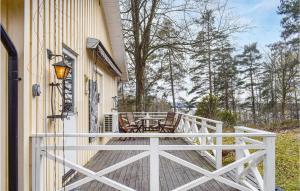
x=71 y=121
x=99 y=74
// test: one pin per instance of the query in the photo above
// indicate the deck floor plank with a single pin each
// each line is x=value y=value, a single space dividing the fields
x=136 y=175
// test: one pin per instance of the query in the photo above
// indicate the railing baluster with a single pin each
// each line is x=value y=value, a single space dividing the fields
x=154 y=164
x=238 y=154
x=203 y=138
x=147 y=121
x=219 y=142
x=269 y=164
x=187 y=127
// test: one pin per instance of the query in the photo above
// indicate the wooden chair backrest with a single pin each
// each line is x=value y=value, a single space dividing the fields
x=130 y=117
x=178 y=120
x=122 y=124
x=170 y=118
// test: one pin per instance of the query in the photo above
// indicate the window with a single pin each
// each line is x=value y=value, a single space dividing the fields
x=69 y=85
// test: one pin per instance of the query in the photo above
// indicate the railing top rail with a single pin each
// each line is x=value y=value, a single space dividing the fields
x=192 y=116
x=251 y=130
x=153 y=135
x=202 y=118
x=188 y=115
x=123 y=112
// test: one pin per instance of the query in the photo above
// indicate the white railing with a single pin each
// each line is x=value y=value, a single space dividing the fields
x=267 y=182
x=193 y=124
x=244 y=163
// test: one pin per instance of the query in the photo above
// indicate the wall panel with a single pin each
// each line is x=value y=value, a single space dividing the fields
x=47 y=25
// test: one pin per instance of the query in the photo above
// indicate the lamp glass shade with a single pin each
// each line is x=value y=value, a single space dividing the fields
x=61 y=70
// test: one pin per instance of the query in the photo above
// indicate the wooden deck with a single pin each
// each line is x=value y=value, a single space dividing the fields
x=136 y=175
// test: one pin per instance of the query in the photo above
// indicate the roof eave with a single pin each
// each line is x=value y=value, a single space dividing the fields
x=111 y=10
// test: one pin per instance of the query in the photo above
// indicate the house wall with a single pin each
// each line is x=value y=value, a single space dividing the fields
x=10 y=12
x=45 y=25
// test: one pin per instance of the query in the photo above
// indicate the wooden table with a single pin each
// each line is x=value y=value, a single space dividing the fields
x=145 y=119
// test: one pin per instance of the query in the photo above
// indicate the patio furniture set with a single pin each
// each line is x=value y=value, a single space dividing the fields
x=129 y=124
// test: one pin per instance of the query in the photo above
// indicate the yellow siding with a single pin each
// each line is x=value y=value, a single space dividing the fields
x=47 y=25
x=10 y=12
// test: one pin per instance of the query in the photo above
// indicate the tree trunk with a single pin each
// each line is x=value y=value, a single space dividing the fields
x=252 y=94
x=140 y=87
x=233 y=98
x=209 y=73
x=296 y=104
x=172 y=82
x=284 y=90
x=226 y=96
x=283 y=103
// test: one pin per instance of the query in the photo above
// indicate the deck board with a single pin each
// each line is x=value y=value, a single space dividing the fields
x=136 y=175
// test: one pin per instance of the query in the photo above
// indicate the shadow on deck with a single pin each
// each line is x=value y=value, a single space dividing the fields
x=136 y=175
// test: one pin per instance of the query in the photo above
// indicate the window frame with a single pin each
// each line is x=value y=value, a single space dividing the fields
x=71 y=54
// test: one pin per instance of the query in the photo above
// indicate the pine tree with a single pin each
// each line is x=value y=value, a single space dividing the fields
x=290 y=9
x=203 y=72
x=249 y=67
x=226 y=72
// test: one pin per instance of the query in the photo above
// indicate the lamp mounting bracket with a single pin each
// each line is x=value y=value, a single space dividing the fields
x=51 y=55
x=54 y=84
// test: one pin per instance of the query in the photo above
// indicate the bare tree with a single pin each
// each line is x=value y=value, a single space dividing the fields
x=142 y=21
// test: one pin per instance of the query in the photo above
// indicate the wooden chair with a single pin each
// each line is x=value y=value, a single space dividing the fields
x=171 y=128
x=131 y=120
x=168 y=122
x=124 y=128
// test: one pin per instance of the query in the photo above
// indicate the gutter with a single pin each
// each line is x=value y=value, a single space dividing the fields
x=12 y=110
x=96 y=46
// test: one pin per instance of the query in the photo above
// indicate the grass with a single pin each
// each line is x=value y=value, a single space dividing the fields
x=287 y=160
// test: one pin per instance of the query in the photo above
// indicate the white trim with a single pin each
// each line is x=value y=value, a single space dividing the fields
x=154 y=164
x=159 y=135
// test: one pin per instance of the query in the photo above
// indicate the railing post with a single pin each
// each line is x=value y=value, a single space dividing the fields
x=269 y=164
x=194 y=126
x=180 y=126
x=147 y=121
x=154 y=164
x=203 y=138
x=219 y=142
x=187 y=126
x=238 y=154
x=37 y=165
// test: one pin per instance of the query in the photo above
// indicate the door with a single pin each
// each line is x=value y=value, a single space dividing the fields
x=70 y=123
x=70 y=127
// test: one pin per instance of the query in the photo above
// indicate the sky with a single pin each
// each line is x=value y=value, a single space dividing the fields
x=263 y=21
x=262 y=18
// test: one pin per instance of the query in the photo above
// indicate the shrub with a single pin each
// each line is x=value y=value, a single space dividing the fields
x=208 y=107
x=228 y=117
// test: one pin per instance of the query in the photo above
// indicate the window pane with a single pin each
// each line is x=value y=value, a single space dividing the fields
x=69 y=86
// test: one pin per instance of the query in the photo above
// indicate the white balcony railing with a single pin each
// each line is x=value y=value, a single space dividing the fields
x=204 y=135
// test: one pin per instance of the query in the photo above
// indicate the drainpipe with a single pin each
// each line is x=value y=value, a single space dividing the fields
x=12 y=110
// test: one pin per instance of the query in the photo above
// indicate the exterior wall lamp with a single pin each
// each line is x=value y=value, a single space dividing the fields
x=115 y=103
x=62 y=70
